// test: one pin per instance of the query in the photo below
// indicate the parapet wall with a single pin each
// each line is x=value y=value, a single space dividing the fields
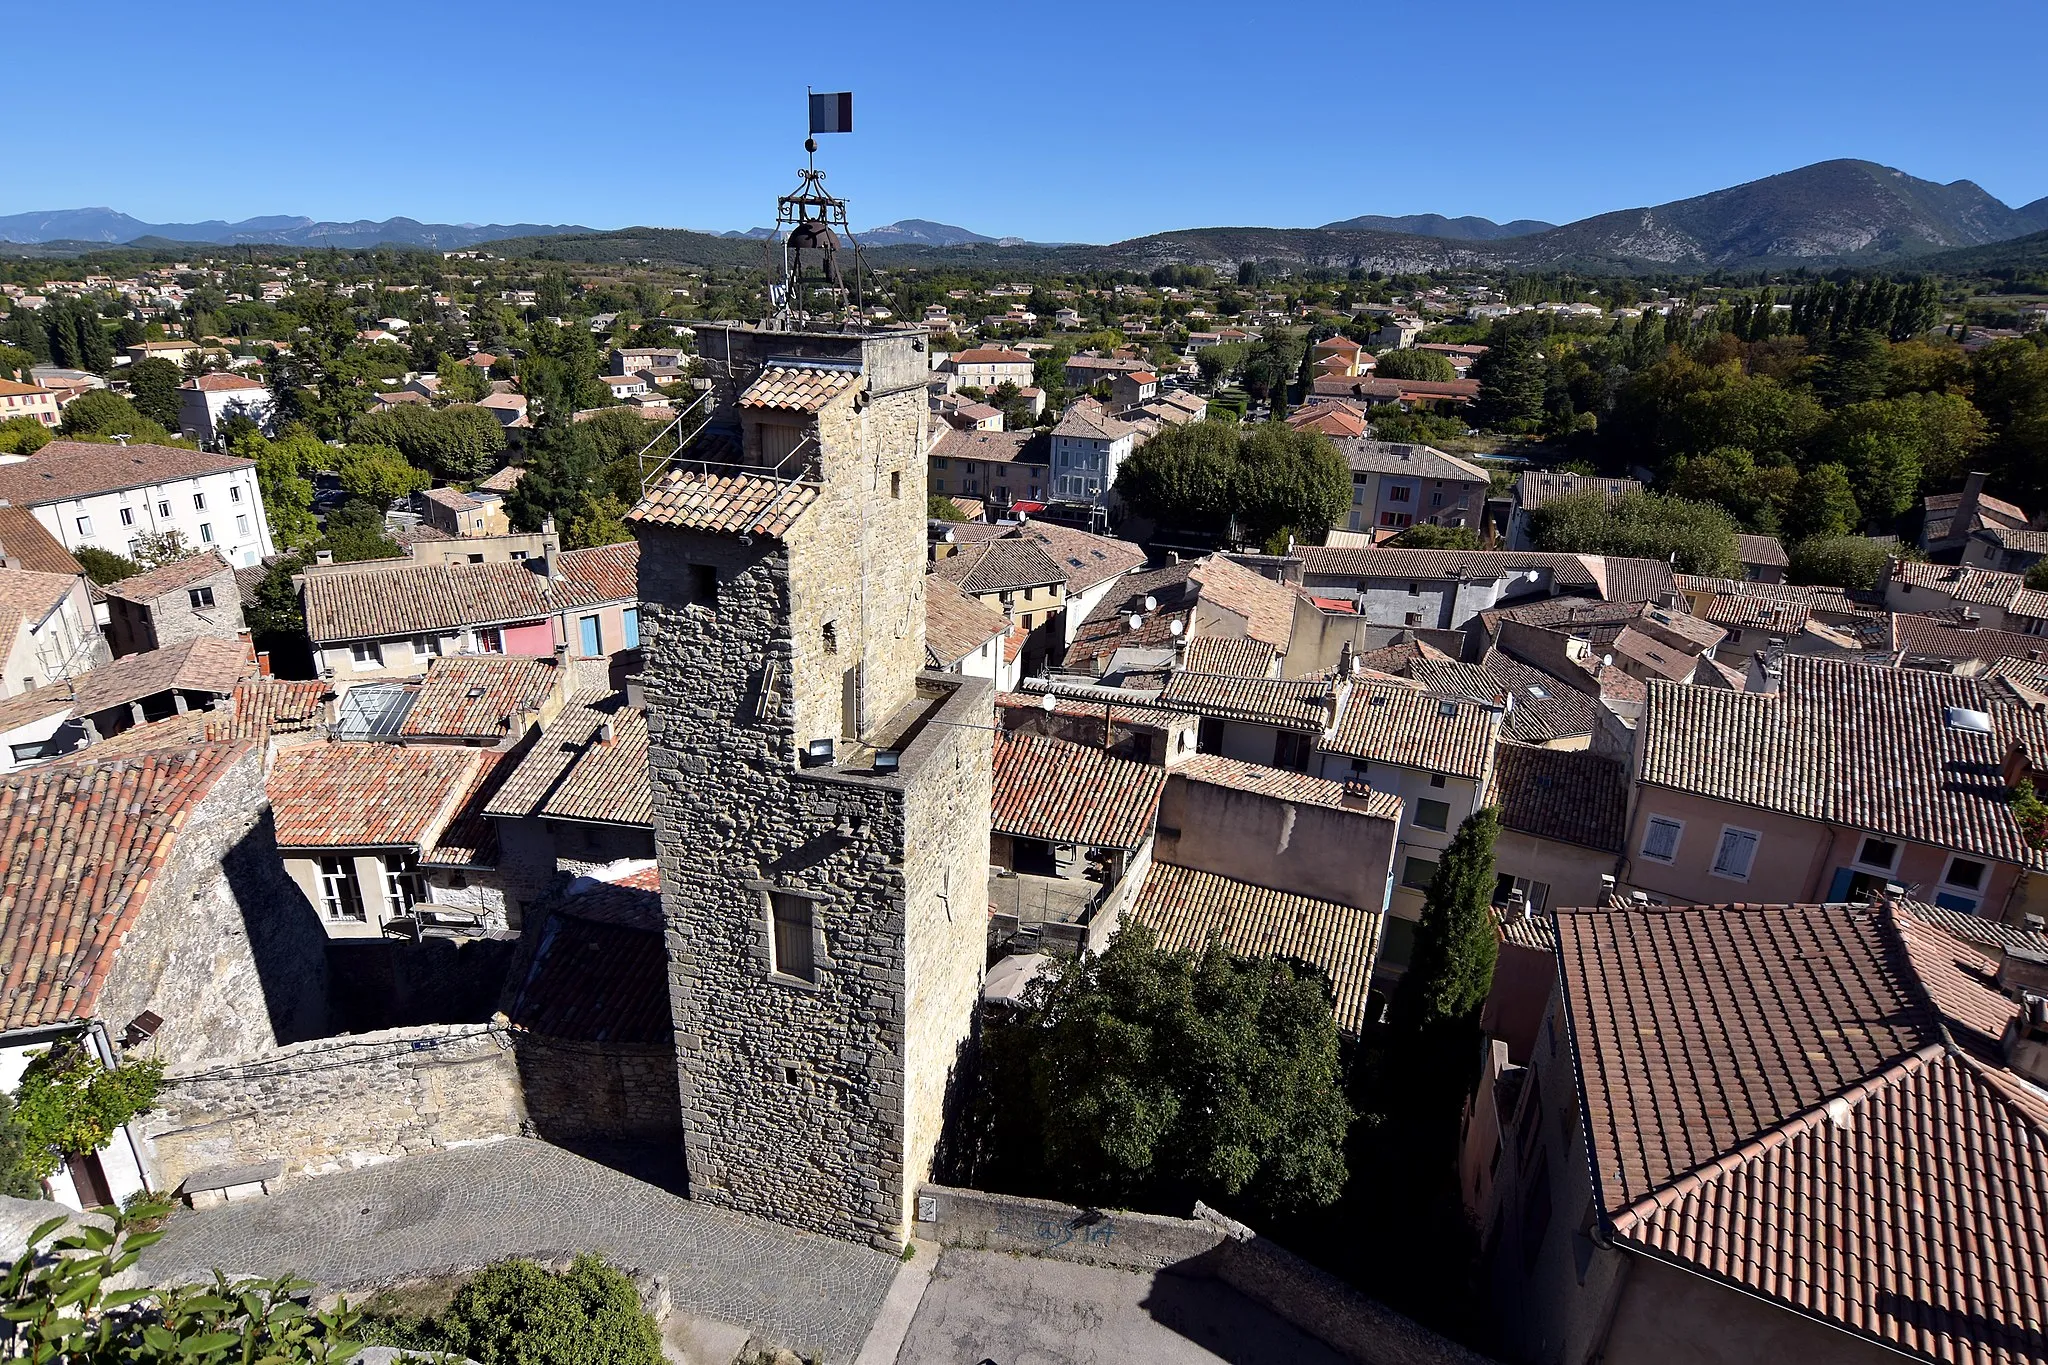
x=341 y=1103
x=1207 y=1244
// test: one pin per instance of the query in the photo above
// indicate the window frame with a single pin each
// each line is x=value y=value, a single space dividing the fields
x=1407 y=861
x=200 y=597
x=341 y=896
x=1756 y=838
x=1859 y=861
x=366 y=653
x=785 y=932
x=1415 y=817
x=1677 y=839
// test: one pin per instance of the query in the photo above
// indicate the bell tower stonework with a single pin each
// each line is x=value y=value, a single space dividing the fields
x=821 y=802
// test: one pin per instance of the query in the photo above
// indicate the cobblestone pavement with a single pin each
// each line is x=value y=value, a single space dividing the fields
x=456 y=1210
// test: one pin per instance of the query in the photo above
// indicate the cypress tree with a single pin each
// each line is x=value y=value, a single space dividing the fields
x=1451 y=968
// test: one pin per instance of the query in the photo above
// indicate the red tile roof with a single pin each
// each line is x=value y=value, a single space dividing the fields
x=726 y=504
x=1070 y=794
x=797 y=388
x=477 y=696
x=270 y=706
x=1242 y=657
x=220 y=383
x=1086 y=559
x=470 y=838
x=75 y=469
x=1186 y=908
x=367 y=795
x=1384 y=723
x=29 y=544
x=410 y=599
x=1572 y=795
x=597 y=980
x=1278 y=783
x=1772 y=1102
x=570 y=773
x=179 y=573
x=1299 y=704
x=599 y=574
x=955 y=625
x=204 y=664
x=83 y=842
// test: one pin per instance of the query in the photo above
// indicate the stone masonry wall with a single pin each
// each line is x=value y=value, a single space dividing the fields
x=341 y=1103
x=225 y=949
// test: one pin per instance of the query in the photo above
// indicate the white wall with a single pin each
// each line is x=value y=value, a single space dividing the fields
x=222 y=513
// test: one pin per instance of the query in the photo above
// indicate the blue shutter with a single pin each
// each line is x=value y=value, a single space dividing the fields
x=631 y=618
x=590 y=649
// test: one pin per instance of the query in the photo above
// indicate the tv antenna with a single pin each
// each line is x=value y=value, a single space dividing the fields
x=810 y=223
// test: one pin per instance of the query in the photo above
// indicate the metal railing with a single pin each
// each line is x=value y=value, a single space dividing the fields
x=789 y=468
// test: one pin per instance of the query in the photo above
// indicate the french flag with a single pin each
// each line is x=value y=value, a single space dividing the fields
x=832 y=113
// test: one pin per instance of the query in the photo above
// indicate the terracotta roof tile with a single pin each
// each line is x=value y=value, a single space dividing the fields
x=1279 y=784
x=1005 y=564
x=1340 y=561
x=411 y=599
x=1568 y=794
x=1267 y=607
x=1069 y=794
x=477 y=696
x=727 y=504
x=29 y=545
x=204 y=664
x=75 y=469
x=1409 y=729
x=1242 y=657
x=179 y=573
x=83 y=842
x=569 y=773
x=34 y=595
x=955 y=625
x=599 y=574
x=470 y=838
x=1544 y=708
x=1302 y=704
x=1847 y=744
x=1771 y=1103
x=367 y=795
x=1085 y=559
x=1186 y=908
x=1538 y=486
x=270 y=706
x=596 y=980
x=797 y=388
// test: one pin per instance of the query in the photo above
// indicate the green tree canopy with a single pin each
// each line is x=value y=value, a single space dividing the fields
x=355 y=531
x=460 y=383
x=458 y=444
x=1823 y=504
x=1219 y=362
x=284 y=476
x=1144 y=1078
x=1851 y=562
x=104 y=566
x=23 y=436
x=1730 y=477
x=153 y=386
x=1271 y=478
x=939 y=507
x=1512 y=377
x=1700 y=535
x=519 y=1313
x=1430 y=366
x=102 y=414
x=67 y=1101
x=378 y=474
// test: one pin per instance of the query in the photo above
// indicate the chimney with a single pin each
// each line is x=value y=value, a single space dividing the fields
x=323 y=556
x=550 y=548
x=1959 y=526
x=2023 y=971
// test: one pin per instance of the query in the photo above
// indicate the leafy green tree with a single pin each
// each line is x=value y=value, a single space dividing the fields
x=1730 y=477
x=599 y=520
x=313 y=382
x=102 y=412
x=104 y=566
x=1289 y=481
x=460 y=383
x=57 y=1307
x=67 y=1101
x=519 y=1313
x=1754 y=413
x=378 y=474
x=1435 y=1009
x=1429 y=366
x=2009 y=385
x=1822 y=504
x=1854 y=368
x=275 y=611
x=284 y=477
x=1512 y=379
x=1851 y=562
x=153 y=386
x=1272 y=362
x=939 y=507
x=1941 y=430
x=23 y=436
x=1884 y=472
x=1143 y=1078
x=15 y=363
x=1219 y=362
x=562 y=471
x=457 y=443
x=154 y=549
x=355 y=531
x=1701 y=536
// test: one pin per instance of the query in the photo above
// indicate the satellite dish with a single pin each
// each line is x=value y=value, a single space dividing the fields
x=1136 y=621
x=1048 y=703
x=1531 y=575
x=1151 y=604
x=950 y=535
x=1176 y=627
x=1607 y=661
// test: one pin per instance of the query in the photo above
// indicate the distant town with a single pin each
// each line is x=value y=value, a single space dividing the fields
x=832 y=807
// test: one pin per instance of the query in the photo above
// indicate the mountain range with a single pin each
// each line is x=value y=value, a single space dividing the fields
x=107 y=225
x=1832 y=213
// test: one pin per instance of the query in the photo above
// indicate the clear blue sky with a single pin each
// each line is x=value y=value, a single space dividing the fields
x=1054 y=121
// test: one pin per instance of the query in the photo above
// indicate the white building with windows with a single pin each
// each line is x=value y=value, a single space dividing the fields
x=204 y=402
x=1088 y=447
x=108 y=495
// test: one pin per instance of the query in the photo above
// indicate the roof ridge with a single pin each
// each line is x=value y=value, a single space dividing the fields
x=1685 y=1183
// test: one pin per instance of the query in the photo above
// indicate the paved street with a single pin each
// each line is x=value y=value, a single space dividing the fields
x=456 y=1210
x=1019 y=1310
